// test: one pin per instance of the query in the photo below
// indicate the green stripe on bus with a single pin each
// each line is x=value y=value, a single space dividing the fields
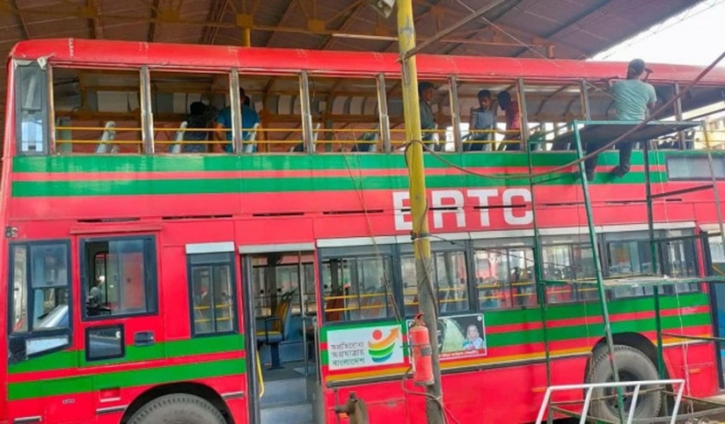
x=275 y=185
x=123 y=379
x=193 y=163
x=171 y=349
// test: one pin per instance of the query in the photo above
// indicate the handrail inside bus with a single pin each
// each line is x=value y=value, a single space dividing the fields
x=261 y=379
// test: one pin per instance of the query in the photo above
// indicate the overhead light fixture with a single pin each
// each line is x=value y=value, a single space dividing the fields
x=384 y=7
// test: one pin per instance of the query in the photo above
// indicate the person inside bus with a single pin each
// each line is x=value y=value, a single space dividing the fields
x=224 y=121
x=426 y=91
x=198 y=118
x=633 y=100
x=513 y=121
x=482 y=119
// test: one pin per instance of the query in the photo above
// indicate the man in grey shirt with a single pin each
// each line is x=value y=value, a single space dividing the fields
x=633 y=99
x=482 y=119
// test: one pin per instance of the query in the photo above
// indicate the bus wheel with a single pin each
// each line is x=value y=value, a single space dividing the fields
x=178 y=409
x=633 y=365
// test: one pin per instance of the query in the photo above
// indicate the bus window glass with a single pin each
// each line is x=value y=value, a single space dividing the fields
x=567 y=263
x=680 y=261
x=31 y=98
x=49 y=280
x=628 y=258
x=128 y=284
x=449 y=278
x=212 y=293
x=504 y=277
x=40 y=293
x=20 y=294
x=360 y=288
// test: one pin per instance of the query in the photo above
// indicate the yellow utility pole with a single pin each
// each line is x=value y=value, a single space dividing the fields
x=418 y=202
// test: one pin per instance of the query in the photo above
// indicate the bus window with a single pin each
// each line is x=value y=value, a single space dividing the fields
x=679 y=260
x=504 y=277
x=186 y=107
x=566 y=261
x=32 y=109
x=628 y=258
x=358 y=285
x=449 y=278
x=129 y=284
x=549 y=110
x=96 y=111
x=211 y=285
x=40 y=299
x=347 y=112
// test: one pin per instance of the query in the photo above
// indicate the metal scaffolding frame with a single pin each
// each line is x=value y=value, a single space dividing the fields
x=656 y=280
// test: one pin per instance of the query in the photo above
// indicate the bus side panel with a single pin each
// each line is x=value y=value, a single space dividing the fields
x=508 y=394
x=700 y=360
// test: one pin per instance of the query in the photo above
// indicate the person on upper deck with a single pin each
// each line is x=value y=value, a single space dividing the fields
x=426 y=91
x=633 y=100
x=224 y=121
x=199 y=118
x=482 y=119
x=513 y=121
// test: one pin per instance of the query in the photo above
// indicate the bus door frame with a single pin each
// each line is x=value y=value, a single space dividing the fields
x=246 y=252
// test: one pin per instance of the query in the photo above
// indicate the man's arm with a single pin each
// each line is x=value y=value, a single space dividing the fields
x=652 y=102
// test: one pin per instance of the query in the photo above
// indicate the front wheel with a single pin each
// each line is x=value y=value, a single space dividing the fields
x=178 y=409
x=632 y=365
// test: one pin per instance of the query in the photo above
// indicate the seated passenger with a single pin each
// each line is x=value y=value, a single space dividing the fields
x=199 y=118
x=482 y=119
x=426 y=91
x=513 y=121
x=633 y=99
x=224 y=121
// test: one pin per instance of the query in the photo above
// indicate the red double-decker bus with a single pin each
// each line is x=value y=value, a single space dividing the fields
x=249 y=261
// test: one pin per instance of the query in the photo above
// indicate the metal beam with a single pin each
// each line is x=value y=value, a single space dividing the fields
x=286 y=15
x=452 y=28
x=596 y=7
x=21 y=20
x=152 y=25
x=504 y=9
x=217 y=10
x=357 y=10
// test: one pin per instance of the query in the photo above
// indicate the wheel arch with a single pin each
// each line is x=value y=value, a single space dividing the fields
x=191 y=388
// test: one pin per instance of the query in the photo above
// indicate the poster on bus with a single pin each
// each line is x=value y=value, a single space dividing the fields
x=460 y=336
x=378 y=345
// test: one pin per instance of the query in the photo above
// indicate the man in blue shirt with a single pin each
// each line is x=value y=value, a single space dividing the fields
x=224 y=121
x=482 y=119
x=633 y=99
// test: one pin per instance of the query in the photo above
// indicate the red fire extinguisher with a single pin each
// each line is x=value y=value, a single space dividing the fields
x=422 y=353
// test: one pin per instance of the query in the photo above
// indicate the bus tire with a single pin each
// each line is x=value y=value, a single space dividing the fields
x=178 y=409
x=633 y=365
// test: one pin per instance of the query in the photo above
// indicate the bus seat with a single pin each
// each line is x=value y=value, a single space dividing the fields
x=367 y=147
x=250 y=145
x=178 y=138
x=106 y=143
x=276 y=327
x=301 y=147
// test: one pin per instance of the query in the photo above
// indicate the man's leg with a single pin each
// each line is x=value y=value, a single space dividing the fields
x=625 y=154
x=591 y=163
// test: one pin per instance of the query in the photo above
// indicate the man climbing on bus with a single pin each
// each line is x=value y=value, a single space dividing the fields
x=224 y=121
x=633 y=100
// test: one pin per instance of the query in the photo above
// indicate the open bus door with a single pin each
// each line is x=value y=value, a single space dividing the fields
x=280 y=312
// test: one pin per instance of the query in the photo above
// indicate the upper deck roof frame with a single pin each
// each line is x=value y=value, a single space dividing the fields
x=115 y=54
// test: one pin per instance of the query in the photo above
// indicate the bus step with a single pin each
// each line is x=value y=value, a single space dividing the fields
x=290 y=414
x=284 y=392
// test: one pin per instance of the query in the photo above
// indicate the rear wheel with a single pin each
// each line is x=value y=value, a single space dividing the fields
x=632 y=365
x=178 y=409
